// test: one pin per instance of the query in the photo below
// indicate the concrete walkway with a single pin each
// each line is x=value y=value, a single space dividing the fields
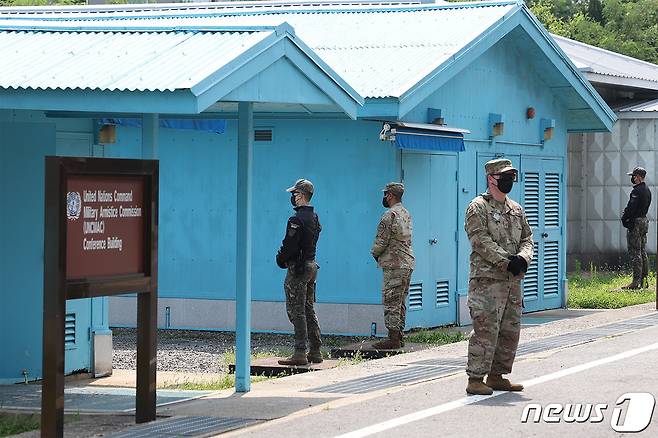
x=286 y=398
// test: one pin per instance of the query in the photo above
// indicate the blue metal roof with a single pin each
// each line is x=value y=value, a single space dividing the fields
x=381 y=50
x=403 y=51
x=118 y=61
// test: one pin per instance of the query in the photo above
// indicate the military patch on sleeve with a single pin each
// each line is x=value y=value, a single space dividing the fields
x=292 y=229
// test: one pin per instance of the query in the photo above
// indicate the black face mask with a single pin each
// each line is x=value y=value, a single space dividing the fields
x=633 y=179
x=505 y=184
x=292 y=200
x=384 y=202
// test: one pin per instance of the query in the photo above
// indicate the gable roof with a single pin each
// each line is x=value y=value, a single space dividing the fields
x=380 y=50
x=192 y=66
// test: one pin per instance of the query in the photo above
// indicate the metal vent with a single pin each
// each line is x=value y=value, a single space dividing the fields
x=69 y=330
x=551 y=268
x=531 y=280
x=263 y=135
x=442 y=293
x=531 y=197
x=416 y=296
x=552 y=200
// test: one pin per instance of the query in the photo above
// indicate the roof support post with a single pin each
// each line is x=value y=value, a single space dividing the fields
x=150 y=126
x=147 y=306
x=243 y=248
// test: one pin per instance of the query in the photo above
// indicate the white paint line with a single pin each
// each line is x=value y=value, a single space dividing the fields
x=426 y=413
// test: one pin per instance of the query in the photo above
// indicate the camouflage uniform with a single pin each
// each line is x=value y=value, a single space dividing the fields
x=392 y=250
x=636 y=239
x=496 y=230
x=300 y=300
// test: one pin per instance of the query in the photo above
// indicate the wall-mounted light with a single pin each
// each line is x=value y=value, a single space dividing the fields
x=546 y=129
x=107 y=134
x=496 y=124
x=435 y=116
x=530 y=113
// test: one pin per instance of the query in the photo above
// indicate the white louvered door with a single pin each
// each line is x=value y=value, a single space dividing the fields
x=543 y=190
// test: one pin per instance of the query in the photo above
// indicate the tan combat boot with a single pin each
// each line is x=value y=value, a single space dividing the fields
x=477 y=387
x=392 y=343
x=314 y=356
x=299 y=358
x=496 y=381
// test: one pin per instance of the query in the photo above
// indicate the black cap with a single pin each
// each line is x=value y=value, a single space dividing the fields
x=639 y=171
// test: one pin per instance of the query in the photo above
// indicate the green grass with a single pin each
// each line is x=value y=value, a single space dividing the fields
x=435 y=337
x=601 y=290
x=226 y=381
x=228 y=357
x=12 y=424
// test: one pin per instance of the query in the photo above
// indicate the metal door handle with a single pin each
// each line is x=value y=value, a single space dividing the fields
x=433 y=241
x=544 y=235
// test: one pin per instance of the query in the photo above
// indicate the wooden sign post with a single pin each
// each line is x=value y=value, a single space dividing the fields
x=101 y=239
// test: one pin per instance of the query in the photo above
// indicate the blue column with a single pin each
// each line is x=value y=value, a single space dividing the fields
x=243 y=248
x=150 y=126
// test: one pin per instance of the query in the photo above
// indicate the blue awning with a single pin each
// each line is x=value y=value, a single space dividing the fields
x=424 y=137
x=218 y=126
x=429 y=141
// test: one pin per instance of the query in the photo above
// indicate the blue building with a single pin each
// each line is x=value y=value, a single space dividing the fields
x=348 y=96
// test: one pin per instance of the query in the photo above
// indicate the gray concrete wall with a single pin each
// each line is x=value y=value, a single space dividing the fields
x=598 y=189
x=181 y=313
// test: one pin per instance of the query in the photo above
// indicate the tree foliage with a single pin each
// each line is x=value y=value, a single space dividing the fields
x=629 y=27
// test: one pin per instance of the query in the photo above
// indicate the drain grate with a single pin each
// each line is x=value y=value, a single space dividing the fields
x=89 y=399
x=412 y=374
x=185 y=427
x=433 y=368
x=443 y=362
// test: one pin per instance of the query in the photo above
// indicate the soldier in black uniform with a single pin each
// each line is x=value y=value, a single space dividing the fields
x=297 y=255
x=635 y=220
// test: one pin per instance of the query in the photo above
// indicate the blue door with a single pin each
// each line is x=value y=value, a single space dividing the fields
x=542 y=198
x=431 y=197
x=78 y=312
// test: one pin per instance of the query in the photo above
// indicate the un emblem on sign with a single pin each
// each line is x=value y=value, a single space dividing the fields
x=73 y=205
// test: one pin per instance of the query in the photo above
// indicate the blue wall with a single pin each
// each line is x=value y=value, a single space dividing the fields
x=26 y=137
x=345 y=160
x=348 y=164
x=22 y=147
x=505 y=85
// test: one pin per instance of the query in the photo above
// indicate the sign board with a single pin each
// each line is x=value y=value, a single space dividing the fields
x=101 y=222
x=105 y=226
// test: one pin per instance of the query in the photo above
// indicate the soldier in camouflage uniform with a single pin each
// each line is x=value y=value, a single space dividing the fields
x=635 y=220
x=501 y=251
x=393 y=253
x=297 y=255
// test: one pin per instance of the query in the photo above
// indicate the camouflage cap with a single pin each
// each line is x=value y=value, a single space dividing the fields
x=394 y=188
x=639 y=171
x=499 y=165
x=302 y=185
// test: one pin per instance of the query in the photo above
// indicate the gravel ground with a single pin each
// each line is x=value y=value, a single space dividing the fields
x=204 y=351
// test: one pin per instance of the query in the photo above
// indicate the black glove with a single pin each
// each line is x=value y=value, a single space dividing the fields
x=280 y=263
x=517 y=264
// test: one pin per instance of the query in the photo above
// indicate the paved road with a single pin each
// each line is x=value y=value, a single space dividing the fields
x=596 y=373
